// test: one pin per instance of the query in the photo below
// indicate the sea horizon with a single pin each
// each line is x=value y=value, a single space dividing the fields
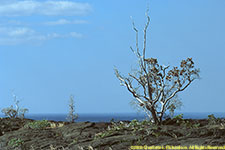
x=107 y=117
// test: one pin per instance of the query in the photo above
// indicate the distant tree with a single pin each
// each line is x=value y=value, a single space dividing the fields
x=14 y=113
x=72 y=116
x=155 y=86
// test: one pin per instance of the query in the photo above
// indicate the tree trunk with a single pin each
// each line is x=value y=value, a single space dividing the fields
x=161 y=116
x=153 y=112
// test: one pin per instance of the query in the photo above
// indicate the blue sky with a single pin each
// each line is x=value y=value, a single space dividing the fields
x=52 y=49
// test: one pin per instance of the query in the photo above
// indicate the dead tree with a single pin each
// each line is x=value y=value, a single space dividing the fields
x=155 y=86
x=72 y=116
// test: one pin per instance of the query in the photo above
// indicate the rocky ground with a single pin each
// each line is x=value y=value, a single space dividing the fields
x=26 y=134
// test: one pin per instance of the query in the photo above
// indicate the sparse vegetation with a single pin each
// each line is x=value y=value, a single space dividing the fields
x=16 y=143
x=134 y=126
x=145 y=127
x=180 y=121
x=40 y=124
x=115 y=134
x=212 y=119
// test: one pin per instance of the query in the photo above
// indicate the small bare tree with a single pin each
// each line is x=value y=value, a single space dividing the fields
x=14 y=113
x=155 y=86
x=71 y=116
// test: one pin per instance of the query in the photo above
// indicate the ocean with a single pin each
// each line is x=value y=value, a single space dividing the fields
x=116 y=116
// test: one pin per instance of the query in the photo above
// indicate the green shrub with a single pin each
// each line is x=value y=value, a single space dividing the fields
x=15 y=142
x=213 y=120
x=40 y=124
x=180 y=121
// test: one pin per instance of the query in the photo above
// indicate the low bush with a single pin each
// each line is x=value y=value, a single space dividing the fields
x=40 y=124
x=186 y=123
x=12 y=112
x=15 y=142
x=212 y=120
x=134 y=126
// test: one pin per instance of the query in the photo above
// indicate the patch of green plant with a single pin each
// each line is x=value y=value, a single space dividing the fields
x=103 y=134
x=15 y=142
x=134 y=125
x=213 y=120
x=75 y=141
x=40 y=124
x=180 y=121
x=138 y=126
x=188 y=124
x=196 y=125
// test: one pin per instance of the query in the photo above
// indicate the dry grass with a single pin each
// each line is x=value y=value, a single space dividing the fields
x=56 y=125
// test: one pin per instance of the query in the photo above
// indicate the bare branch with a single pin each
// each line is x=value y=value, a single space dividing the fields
x=145 y=34
x=136 y=31
x=126 y=82
x=141 y=83
x=187 y=85
x=174 y=93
